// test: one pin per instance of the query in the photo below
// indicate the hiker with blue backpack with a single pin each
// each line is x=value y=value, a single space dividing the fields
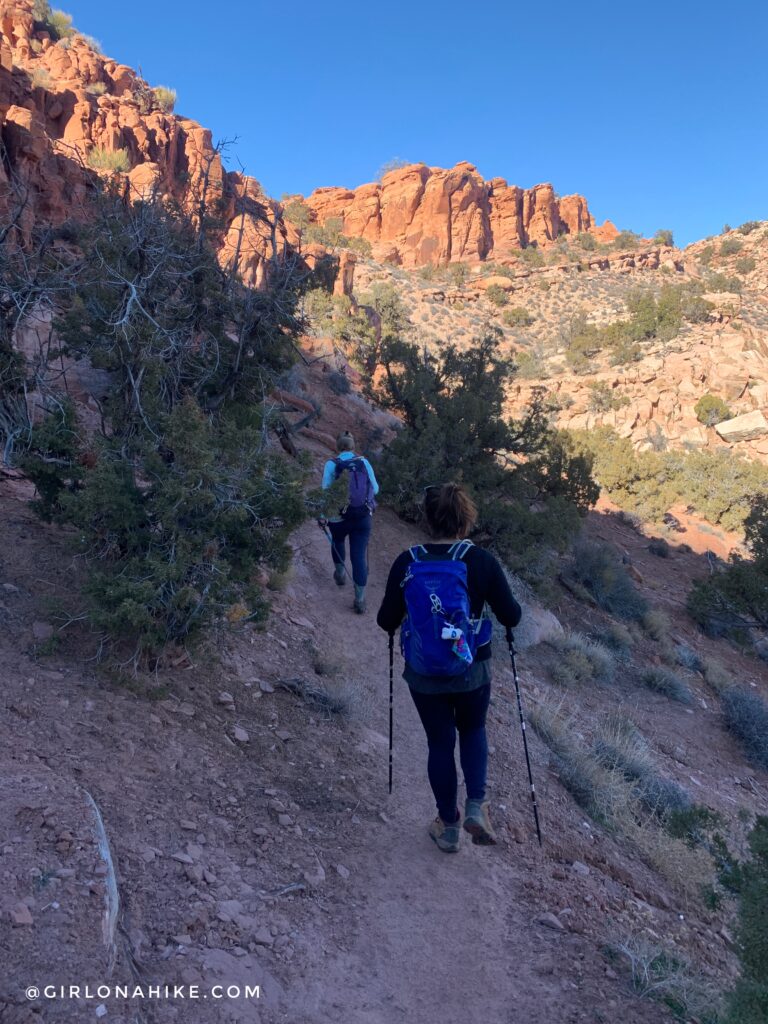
x=438 y=594
x=355 y=518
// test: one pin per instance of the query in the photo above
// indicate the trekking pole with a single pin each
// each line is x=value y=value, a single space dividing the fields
x=391 y=700
x=511 y=642
x=323 y=526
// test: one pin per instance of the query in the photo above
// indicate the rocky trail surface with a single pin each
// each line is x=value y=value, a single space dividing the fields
x=424 y=936
x=252 y=836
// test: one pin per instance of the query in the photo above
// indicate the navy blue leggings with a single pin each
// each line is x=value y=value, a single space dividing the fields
x=358 y=529
x=441 y=715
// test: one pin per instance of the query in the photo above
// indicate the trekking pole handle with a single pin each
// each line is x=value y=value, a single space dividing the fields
x=511 y=644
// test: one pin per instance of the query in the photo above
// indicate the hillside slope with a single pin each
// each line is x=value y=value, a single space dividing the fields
x=243 y=793
x=543 y=313
x=220 y=815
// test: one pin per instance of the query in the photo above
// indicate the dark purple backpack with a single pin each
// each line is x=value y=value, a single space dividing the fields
x=360 y=486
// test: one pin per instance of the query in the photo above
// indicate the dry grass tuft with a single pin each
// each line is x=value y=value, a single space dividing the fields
x=716 y=675
x=618 y=639
x=616 y=782
x=620 y=745
x=657 y=973
x=326 y=664
x=603 y=792
x=687 y=870
x=656 y=624
x=582 y=660
x=331 y=698
x=661 y=680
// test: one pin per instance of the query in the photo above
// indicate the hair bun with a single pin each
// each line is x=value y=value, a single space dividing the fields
x=449 y=510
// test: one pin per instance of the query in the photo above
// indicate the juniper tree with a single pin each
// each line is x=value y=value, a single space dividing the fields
x=179 y=504
x=734 y=601
x=748 y=1003
x=530 y=486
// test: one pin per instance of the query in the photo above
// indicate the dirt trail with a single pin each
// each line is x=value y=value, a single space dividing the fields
x=426 y=936
x=215 y=888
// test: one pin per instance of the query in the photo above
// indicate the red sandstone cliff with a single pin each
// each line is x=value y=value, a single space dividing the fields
x=419 y=214
x=60 y=103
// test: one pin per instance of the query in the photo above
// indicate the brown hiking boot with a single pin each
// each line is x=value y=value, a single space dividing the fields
x=478 y=823
x=446 y=836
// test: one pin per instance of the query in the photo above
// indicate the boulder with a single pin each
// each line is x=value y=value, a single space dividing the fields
x=497 y=281
x=696 y=437
x=537 y=625
x=758 y=396
x=748 y=427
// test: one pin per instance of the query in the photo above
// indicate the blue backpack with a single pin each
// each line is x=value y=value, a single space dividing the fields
x=439 y=637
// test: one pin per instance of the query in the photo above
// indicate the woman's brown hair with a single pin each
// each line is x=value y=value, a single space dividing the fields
x=449 y=511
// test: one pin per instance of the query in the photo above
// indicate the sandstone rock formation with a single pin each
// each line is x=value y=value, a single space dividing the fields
x=418 y=215
x=61 y=103
x=658 y=395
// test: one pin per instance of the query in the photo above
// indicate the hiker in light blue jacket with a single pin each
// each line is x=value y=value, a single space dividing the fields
x=355 y=518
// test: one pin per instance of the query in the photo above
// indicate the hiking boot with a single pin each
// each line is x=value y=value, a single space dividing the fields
x=446 y=836
x=478 y=823
x=339 y=575
x=359 y=602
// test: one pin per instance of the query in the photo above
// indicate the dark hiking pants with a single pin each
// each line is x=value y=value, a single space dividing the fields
x=442 y=715
x=358 y=529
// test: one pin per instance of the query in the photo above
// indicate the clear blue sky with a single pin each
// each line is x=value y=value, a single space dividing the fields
x=655 y=111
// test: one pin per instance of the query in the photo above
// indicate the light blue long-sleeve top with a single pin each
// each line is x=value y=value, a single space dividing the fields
x=329 y=473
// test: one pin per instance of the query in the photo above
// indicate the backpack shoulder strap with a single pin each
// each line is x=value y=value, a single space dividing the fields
x=460 y=549
x=416 y=551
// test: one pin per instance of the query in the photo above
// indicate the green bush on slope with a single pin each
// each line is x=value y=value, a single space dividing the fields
x=710 y=410
x=530 y=487
x=734 y=601
x=181 y=505
x=748 y=1004
x=715 y=485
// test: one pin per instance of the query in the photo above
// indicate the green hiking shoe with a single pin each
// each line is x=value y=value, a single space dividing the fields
x=446 y=836
x=339 y=575
x=478 y=823
x=359 y=602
